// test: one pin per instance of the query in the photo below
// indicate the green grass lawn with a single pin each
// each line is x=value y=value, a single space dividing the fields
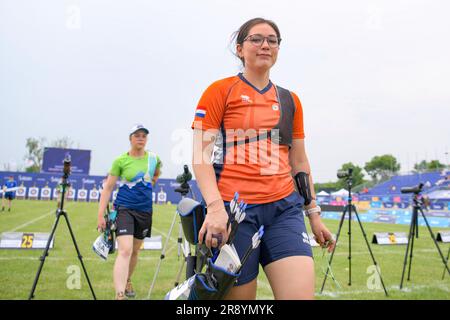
x=18 y=267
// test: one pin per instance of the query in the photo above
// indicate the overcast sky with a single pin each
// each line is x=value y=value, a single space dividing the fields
x=373 y=76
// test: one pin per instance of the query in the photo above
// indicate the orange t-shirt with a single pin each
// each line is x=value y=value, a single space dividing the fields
x=258 y=170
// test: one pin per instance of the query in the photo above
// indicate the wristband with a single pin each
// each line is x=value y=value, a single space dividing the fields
x=316 y=209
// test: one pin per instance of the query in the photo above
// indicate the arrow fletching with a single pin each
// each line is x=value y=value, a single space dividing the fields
x=256 y=239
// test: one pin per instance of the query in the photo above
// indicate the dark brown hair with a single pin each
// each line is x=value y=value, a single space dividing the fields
x=240 y=35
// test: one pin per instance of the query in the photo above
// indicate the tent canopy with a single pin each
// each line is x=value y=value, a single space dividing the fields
x=440 y=195
x=341 y=192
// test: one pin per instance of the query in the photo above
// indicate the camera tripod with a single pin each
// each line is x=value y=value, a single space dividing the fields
x=348 y=209
x=448 y=256
x=417 y=207
x=61 y=212
x=183 y=246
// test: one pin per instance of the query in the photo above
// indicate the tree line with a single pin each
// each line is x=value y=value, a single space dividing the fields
x=379 y=169
x=35 y=151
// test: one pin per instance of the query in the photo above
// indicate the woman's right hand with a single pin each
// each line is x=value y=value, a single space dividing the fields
x=101 y=223
x=214 y=226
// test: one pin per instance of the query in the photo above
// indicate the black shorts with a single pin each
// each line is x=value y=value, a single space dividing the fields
x=133 y=223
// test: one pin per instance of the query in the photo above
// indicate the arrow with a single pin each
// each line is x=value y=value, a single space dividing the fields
x=236 y=218
x=256 y=239
x=241 y=215
x=233 y=203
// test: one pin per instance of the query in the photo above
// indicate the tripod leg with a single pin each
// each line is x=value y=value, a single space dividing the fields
x=448 y=256
x=350 y=245
x=410 y=236
x=187 y=259
x=444 y=261
x=180 y=239
x=163 y=254
x=332 y=253
x=44 y=255
x=370 y=251
x=415 y=228
x=177 y=280
x=80 y=257
x=417 y=225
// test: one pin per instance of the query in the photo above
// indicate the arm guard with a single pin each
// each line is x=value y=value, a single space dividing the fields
x=302 y=182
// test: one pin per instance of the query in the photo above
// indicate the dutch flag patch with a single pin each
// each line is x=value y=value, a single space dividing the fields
x=200 y=112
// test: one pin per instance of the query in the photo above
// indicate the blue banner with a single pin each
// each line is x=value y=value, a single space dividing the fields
x=366 y=217
x=404 y=220
x=54 y=157
x=437 y=206
x=164 y=189
x=397 y=217
x=403 y=205
x=435 y=222
x=385 y=219
x=388 y=204
x=375 y=204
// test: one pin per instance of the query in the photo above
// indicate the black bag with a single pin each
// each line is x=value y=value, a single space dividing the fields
x=214 y=284
x=192 y=214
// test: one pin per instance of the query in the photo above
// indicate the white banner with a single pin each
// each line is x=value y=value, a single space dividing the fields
x=443 y=236
x=153 y=243
x=390 y=238
x=24 y=240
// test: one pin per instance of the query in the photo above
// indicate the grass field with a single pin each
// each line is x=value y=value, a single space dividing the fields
x=18 y=267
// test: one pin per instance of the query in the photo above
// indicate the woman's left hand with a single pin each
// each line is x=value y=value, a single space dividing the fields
x=322 y=235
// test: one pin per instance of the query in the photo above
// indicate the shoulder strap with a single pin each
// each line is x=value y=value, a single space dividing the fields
x=282 y=132
x=287 y=111
x=152 y=163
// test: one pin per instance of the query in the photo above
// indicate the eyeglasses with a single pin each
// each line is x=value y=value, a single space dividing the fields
x=258 y=39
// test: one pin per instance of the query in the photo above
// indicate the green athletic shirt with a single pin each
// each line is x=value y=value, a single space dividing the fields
x=136 y=174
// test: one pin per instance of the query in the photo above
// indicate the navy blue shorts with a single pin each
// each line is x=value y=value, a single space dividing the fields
x=285 y=234
x=10 y=195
